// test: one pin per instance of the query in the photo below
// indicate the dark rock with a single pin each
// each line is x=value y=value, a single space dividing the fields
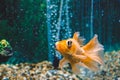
x=4 y=59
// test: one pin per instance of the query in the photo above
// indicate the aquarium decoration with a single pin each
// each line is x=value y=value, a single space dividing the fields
x=6 y=50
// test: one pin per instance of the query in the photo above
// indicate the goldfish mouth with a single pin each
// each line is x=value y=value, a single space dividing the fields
x=55 y=46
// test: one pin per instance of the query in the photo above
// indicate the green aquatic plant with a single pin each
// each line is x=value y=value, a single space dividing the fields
x=23 y=23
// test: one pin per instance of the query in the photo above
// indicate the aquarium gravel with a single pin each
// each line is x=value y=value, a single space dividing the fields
x=45 y=71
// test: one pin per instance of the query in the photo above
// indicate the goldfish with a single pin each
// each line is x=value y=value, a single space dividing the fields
x=77 y=54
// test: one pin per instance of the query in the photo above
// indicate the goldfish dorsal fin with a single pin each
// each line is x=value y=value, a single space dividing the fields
x=93 y=44
x=76 y=35
x=79 y=40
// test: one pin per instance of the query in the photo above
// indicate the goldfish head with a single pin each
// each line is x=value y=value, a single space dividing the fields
x=65 y=46
x=68 y=46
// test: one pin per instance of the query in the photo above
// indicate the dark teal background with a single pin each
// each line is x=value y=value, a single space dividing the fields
x=24 y=24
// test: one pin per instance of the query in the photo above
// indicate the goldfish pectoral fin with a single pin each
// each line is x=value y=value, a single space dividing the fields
x=82 y=57
x=62 y=63
x=79 y=57
x=75 y=68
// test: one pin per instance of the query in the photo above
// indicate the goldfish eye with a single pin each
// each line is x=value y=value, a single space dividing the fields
x=69 y=43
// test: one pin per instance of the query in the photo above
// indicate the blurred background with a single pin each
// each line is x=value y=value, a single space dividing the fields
x=33 y=26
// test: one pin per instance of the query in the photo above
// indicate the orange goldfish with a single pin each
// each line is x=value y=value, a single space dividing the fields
x=77 y=54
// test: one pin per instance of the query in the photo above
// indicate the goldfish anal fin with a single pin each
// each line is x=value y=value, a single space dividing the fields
x=75 y=68
x=90 y=65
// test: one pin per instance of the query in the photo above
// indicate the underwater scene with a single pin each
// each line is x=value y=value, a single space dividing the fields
x=59 y=39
